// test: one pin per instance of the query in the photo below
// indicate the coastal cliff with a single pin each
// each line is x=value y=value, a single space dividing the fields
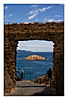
x=35 y=57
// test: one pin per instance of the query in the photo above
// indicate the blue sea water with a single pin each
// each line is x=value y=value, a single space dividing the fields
x=33 y=69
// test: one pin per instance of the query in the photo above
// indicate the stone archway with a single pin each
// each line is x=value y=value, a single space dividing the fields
x=36 y=31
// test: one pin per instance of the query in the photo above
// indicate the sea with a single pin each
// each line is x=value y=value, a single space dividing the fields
x=33 y=68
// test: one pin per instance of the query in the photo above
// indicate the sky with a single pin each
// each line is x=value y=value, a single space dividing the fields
x=34 y=13
x=36 y=46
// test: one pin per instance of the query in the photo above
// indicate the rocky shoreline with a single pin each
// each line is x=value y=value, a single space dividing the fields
x=45 y=80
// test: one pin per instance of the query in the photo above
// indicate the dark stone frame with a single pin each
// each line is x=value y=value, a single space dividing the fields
x=36 y=31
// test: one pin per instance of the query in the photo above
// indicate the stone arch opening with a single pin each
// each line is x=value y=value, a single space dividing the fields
x=34 y=68
x=35 y=31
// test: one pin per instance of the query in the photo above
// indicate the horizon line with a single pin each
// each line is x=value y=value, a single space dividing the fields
x=33 y=51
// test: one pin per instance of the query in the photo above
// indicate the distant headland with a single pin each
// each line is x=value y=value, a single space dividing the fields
x=23 y=51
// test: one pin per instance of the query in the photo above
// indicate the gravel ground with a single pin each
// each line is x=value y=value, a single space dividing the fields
x=27 y=88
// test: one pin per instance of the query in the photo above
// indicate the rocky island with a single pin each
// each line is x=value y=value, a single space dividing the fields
x=35 y=57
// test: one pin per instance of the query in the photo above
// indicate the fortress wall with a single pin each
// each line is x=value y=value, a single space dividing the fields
x=36 y=31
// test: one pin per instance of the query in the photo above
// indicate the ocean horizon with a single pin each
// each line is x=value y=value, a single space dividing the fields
x=33 y=68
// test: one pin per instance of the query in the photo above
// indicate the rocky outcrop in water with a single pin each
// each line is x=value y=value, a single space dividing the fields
x=35 y=57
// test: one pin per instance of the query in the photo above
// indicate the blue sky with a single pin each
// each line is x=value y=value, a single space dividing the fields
x=34 y=13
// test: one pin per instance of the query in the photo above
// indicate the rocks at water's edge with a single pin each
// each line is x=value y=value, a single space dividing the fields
x=44 y=80
x=35 y=57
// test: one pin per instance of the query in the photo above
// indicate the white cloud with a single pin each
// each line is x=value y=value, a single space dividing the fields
x=44 y=8
x=52 y=20
x=10 y=15
x=49 y=7
x=32 y=16
x=33 y=11
x=34 y=6
x=35 y=45
x=6 y=17
x=57 y=15
x=6 y=7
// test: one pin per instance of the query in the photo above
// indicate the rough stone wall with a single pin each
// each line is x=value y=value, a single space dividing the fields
x=8 y=83
x=36 y=31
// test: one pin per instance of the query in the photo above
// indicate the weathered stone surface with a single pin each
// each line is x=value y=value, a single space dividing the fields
x=8 y=83
x=36 y=31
